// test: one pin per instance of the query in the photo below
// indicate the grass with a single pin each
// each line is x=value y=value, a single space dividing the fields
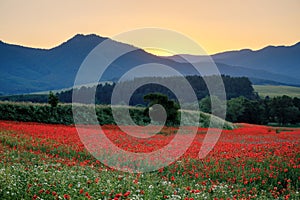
x=272 y=91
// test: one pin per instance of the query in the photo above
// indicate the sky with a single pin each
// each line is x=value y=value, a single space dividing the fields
x=217 y=25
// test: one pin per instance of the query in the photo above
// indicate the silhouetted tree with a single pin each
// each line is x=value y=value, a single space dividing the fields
x=52 y=99
x=170 y=106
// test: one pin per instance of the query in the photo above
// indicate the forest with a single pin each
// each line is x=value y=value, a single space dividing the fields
x=243 y=104
x=280 y=110
x=234 y=87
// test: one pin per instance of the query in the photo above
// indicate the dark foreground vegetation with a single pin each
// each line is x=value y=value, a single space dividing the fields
x=281 y=110
x=63 y=114
x=243 y=104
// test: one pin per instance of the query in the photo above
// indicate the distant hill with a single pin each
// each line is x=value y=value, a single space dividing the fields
x=283 y=60
x=277 y=64
x=27 y=70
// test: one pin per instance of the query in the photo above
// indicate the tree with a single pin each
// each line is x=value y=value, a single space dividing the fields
x=170 y=106
x=254 y=112
x=296 y=102
x=245 y=110
x=219 y=106
x=283 y=110
x=235 y=109
x=52 y=99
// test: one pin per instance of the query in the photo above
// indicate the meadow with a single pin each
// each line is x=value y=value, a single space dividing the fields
x=273 y=91
x=43 y=161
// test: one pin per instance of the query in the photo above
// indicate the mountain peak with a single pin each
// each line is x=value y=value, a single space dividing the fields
x=81 y=40
x=280 y=46
x=90 y=36
x=297 y=44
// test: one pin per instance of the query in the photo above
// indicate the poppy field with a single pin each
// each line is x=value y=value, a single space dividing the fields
x=43 y=161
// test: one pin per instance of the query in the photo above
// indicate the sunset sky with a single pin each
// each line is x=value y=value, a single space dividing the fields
x=218 y=25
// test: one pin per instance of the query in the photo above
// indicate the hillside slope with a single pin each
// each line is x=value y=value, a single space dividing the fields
x=27 y=70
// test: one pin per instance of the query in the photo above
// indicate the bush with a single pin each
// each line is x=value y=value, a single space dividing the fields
x=63 y=114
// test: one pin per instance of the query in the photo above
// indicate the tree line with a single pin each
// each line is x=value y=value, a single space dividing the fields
x=234 y=87
x=281 y=110
x=243 y=104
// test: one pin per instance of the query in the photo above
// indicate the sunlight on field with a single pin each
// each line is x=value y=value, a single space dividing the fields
x=272 y=91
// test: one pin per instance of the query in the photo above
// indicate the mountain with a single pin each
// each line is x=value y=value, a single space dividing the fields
x=24 y=69
x=258 y=76
x=279 y=63
x=27 y=70
x=276 y=59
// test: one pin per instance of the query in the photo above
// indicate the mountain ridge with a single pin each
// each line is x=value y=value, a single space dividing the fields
x=26 y=69
x=251 y=50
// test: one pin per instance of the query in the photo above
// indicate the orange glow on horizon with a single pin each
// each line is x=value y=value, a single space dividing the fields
x=216 y=26
x=158 y=52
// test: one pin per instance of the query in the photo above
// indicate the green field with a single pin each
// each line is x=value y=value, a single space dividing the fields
x=272 y=91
